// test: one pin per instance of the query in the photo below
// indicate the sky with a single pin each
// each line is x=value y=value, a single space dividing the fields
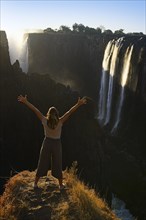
x=129 y=15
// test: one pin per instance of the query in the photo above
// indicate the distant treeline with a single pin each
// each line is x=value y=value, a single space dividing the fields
x=81 y=29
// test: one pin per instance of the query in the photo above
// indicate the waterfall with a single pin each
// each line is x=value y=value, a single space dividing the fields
x=124 y=77
x=23 y=57
x=109 y=66
x=106 y=63
x=119 y=208
x=122 y=69
x=114 y=63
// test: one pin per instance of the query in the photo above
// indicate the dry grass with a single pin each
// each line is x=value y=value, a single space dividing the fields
x=84 y=202
x=12 y=203
x=77 y=202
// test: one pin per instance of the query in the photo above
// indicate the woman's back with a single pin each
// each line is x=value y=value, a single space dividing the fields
x=52 y=133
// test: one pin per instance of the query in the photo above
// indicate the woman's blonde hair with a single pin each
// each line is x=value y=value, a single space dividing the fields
x=52 y=117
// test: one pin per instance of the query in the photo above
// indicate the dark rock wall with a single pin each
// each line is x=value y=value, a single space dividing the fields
x=72 y=59
x=5 y=63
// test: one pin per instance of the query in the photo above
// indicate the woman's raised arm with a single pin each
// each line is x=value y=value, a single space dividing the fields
x=73 y=109
x=23 y=99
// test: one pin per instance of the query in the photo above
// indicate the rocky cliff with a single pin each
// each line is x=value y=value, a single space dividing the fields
x=76 y=201
x=72 y=59
x=5 y=63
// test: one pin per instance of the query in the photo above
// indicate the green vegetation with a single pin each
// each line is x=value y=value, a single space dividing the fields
x=81 y=29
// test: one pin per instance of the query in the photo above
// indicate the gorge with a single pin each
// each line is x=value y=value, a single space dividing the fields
x=110 y=139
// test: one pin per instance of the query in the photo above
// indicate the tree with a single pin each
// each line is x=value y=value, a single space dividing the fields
x=64 y=29
x=98 y=30
x=48 y=30
x=81 y=28
x=120 y=31
x=78 y=28
x=137 y=33
x=75 y=27
x=89 y=30
x=108 y=31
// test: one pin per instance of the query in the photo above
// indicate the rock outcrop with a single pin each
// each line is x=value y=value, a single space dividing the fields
x=21 y=201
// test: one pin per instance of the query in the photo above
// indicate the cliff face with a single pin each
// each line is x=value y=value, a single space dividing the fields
x=5 y=65
x=72 y=59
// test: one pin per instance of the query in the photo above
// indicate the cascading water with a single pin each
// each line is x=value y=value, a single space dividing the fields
x=23 y=57
x=110 y=63
x=124 y=77
x=120 y=69
x=112 y=72
x=119 y=208
x=106 y=63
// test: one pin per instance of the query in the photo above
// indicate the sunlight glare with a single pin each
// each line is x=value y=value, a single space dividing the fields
x=17 y=41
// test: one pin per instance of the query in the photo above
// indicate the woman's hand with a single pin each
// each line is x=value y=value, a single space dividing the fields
x=22 y=99
x=82 y=101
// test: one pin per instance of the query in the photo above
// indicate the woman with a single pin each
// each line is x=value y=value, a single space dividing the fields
x=51 y=146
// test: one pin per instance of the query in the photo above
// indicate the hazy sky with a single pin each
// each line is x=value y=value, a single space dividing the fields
x=129 y=15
